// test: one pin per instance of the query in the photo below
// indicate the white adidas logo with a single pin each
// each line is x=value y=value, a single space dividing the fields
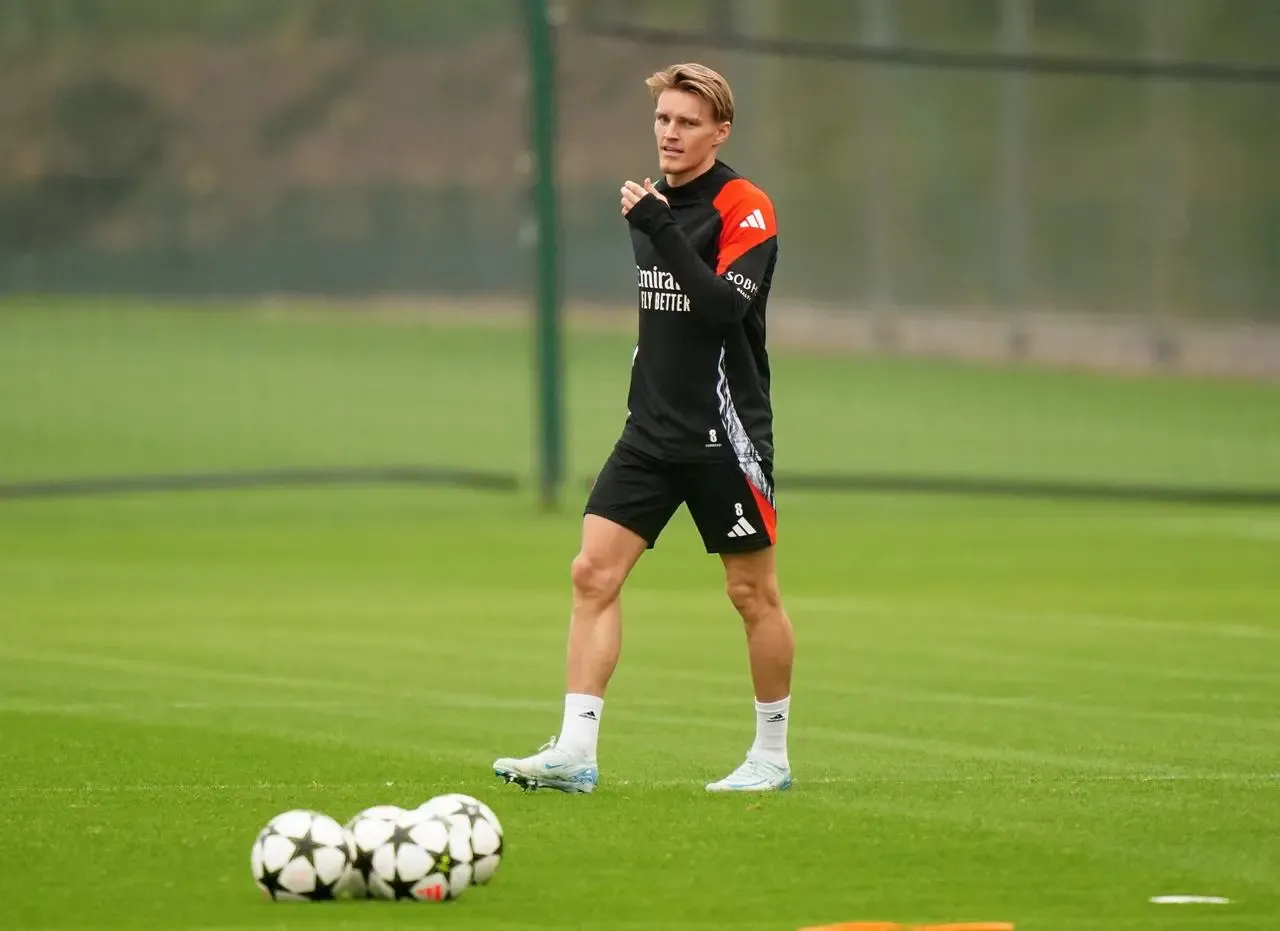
x=755 y=220
x=742 y=528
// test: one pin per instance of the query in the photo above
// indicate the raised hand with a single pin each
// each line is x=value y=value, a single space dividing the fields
x=632 y=193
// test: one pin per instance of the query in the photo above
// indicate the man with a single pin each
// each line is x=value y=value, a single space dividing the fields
x=699 y=432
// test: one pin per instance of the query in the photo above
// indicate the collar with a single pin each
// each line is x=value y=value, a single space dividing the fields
x=700 y=187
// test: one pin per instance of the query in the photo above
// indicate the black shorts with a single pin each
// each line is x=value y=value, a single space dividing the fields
x=731 y=503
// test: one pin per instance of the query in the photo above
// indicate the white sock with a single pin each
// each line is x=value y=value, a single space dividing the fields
x=771 y=731
x=581 y=727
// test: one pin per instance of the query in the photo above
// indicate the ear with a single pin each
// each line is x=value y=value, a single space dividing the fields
x=722 y=132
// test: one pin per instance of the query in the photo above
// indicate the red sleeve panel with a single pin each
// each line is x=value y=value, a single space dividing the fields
x=746 y=249
x=746 y=221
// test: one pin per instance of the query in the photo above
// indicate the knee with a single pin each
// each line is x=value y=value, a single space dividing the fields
x=594 y=580
x=754 y=598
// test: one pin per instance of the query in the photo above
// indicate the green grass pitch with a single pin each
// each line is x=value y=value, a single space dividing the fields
x=1036 y=712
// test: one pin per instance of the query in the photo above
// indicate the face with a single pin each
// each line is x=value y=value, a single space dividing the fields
x=686 y=132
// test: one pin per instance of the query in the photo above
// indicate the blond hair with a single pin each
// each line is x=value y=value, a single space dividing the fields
x=696 y=79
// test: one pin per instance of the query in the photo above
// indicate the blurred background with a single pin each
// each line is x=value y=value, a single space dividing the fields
x=1025 y=244
x=361 y=260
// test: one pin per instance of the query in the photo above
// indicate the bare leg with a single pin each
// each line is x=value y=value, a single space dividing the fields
x=752 y=583
x=608 y=554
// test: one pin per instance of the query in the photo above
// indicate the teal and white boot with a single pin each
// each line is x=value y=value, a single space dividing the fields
x=549 y=768
x=754 y=775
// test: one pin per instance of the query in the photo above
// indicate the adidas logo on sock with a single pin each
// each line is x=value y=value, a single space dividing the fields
x=589 y=715
x=776 y=718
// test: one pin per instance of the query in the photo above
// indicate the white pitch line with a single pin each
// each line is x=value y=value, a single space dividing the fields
x=691 y=782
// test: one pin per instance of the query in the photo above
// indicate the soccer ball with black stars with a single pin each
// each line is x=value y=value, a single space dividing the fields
x=300 y=856
x=365 y=832
x=483 y=828
x=421 y=857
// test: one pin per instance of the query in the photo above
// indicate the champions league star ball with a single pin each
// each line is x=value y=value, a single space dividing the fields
x=420 y=857
x=482 y=826
x=300 y=856
x=365 y=832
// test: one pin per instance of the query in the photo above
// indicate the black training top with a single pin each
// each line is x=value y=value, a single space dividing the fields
x=700 y=372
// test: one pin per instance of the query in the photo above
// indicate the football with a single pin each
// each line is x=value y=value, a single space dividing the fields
x=420 y=856
x=365 y=832
x=483 y=828
x=300 y=856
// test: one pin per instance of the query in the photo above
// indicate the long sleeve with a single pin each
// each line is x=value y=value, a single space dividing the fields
x=748 y=243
